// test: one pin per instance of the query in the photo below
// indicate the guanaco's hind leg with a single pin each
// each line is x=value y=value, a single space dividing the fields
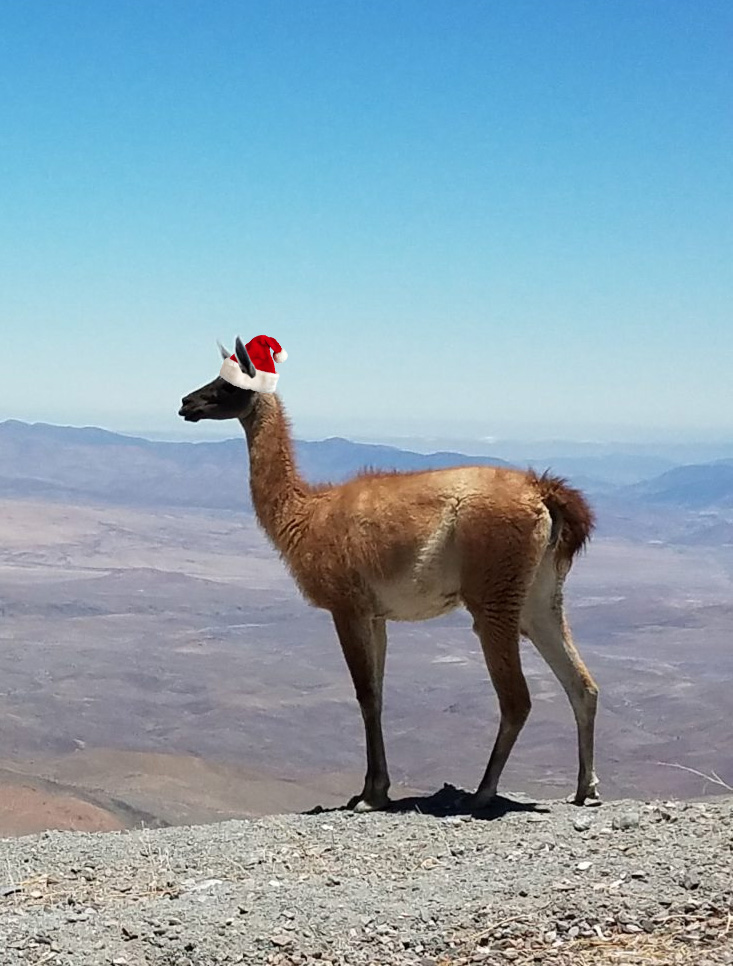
x=498 y=632
x=544 y=622
x=364 y=643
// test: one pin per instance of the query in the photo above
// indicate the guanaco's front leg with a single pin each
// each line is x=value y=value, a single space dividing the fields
x=364 y=643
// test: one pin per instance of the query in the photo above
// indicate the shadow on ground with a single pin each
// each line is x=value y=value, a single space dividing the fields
x=447 y=802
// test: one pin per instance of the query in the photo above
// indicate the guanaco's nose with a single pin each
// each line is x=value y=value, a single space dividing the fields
x=186 y=406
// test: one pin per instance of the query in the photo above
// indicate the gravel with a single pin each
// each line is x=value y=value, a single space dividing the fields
x=532 y=883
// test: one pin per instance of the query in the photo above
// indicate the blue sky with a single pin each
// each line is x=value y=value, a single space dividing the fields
x=460 y=218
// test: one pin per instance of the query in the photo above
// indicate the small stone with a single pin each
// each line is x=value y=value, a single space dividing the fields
x=626 y=820
x=583 y=866
x=582 y=823
x=690 y=880
x=281 y=940
x=204 y=885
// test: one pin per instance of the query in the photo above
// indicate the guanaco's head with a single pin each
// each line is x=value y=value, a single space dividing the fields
x=221 y=399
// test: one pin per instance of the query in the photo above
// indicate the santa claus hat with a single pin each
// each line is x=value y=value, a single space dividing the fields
x=252 y=366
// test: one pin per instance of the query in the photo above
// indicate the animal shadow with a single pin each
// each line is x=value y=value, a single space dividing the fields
x=449 y=801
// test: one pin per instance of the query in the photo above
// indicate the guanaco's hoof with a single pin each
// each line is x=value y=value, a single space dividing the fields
x=360 y=804
x=479 y=803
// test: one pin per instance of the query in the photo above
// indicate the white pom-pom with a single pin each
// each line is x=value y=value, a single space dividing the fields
x=280 y=356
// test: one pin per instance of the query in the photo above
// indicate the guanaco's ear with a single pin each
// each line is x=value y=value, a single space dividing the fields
x=245 y=363
x=225 y=353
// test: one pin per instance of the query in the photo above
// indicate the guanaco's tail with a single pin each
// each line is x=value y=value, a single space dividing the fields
x=573 y=519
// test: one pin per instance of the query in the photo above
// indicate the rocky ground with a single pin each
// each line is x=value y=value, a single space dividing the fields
x=425 y=885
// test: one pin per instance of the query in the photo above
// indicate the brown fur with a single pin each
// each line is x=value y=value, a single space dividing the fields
x=569 y=507
x=409 y=546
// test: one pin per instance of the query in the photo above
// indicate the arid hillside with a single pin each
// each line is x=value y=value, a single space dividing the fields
x=159 y=667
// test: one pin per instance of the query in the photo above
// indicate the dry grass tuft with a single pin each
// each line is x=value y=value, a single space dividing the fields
x=681 y=941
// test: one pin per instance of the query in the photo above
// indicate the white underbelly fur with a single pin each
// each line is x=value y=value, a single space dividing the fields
x=411 y=600
x=430 y=588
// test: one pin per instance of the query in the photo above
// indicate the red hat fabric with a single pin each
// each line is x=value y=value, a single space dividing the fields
x=260 y=351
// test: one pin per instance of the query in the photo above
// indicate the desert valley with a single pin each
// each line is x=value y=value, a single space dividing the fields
x=159 y=667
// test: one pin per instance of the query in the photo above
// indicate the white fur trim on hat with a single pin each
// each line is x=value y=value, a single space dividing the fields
x=280 y=356
x=261 y=382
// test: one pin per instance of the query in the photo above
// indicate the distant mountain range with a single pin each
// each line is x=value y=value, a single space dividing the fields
x=73 y=464
x=696 y=487
x=337 y=459
x=82 y=464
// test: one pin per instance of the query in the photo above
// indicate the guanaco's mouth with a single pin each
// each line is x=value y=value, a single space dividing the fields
x=190 y=415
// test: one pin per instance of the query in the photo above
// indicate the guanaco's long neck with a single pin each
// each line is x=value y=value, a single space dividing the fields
x=279 y=493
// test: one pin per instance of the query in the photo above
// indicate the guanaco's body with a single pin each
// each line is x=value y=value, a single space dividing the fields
x=411 y=546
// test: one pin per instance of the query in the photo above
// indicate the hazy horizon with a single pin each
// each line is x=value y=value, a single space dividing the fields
x=678 y=449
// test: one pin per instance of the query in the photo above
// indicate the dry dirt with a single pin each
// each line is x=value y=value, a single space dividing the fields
x=628 y=883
